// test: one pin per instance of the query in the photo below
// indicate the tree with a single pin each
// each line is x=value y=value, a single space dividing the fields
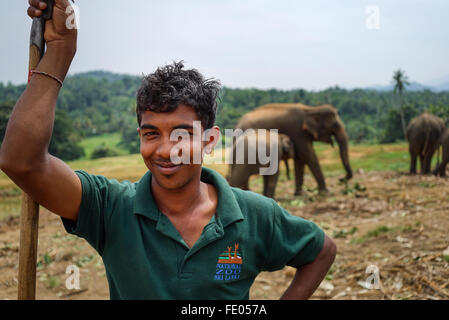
x=65 y=140
x=392 y=123
x=400 y=81
x=5 y=112
x=130 y=138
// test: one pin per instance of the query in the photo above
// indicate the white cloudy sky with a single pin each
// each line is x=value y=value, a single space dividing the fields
x=251 y=43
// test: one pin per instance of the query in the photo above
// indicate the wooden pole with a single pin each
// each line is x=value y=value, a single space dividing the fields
x=29 y=220
x=29 y=223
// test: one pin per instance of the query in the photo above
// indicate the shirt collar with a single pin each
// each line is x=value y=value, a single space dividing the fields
x=228 y=209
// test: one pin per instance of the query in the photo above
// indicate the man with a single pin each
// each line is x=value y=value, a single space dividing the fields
x=180 y=232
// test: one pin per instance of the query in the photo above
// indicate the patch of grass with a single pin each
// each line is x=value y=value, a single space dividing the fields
x=344 y=233
x=84 y=260
x=47 y=259
x=53 y=282
x=312 y=190
x=406 y=228
x=50 y=281
x=426 y=184
x=369 y=157
x=9 y=207
x=377 y=232
x=358 y=240
x=356 y=188
x=44 y=261
x=297 y=203
x=380 y=231
x=10 y=192
x=111 y=140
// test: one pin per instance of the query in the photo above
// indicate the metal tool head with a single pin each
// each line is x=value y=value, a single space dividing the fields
x=48 y=12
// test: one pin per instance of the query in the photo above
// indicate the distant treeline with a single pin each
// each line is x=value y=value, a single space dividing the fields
x=101 y=102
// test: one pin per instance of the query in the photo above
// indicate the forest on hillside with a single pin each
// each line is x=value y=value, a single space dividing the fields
x=99 y=102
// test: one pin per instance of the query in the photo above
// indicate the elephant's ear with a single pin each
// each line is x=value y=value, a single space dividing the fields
x=311 y=126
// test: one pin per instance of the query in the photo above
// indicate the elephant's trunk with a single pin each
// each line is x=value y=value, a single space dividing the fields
x=342 y=140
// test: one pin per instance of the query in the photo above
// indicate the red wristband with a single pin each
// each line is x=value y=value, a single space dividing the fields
x=45 y=74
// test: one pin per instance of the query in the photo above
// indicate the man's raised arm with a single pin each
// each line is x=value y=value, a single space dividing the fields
x=24 y=153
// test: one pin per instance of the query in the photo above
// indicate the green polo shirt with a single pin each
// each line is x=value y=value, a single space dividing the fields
x=146 y=258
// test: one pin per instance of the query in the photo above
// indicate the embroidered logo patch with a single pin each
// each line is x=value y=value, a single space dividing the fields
x=229 y=265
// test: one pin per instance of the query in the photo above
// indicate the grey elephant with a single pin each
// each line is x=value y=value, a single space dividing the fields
x=424 y=137
x=304 y=125
x=246 y=161
x=440 y=170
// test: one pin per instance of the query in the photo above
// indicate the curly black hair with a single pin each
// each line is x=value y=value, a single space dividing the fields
x=171 y=85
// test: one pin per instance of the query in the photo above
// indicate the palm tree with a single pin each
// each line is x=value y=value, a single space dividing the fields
x=400 y=81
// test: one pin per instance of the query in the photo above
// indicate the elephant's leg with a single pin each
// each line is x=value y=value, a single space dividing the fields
x=314 y=166
x=421 y=161
x=299 y=176
x=265 y=184
x=287 y=168
x=240 y=177
x=438 y=171
x=413 y=158
x=441 y=168
x=270 y=182
x=425 y=164
x=428 y=161
x=444 y=161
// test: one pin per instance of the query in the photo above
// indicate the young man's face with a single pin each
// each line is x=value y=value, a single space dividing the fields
x=161 y=136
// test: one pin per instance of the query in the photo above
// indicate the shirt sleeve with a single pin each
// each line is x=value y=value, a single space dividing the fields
x=294 y=242
x=90 y=222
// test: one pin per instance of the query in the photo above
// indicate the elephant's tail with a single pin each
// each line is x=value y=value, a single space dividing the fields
x=426 y=142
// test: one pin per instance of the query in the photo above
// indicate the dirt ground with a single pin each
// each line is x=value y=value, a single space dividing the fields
x=391 y=231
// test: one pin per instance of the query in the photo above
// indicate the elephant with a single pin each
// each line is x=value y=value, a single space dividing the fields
x=240 y=171
x=304 y=125
x=440 y=170
x=424 y=136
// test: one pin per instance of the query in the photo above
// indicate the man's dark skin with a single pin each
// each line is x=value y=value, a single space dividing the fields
x=188 y=202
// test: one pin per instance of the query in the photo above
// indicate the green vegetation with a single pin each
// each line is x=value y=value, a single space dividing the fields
x=344 y=233
x=65 y=139
x=102 y=151
x=110 y=141
x=400 y=80
x=380 y=230
x=100 y=103
x=84 y=260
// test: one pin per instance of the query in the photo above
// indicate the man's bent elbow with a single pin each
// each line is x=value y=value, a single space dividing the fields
x=329 y=249
x=15 y=168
